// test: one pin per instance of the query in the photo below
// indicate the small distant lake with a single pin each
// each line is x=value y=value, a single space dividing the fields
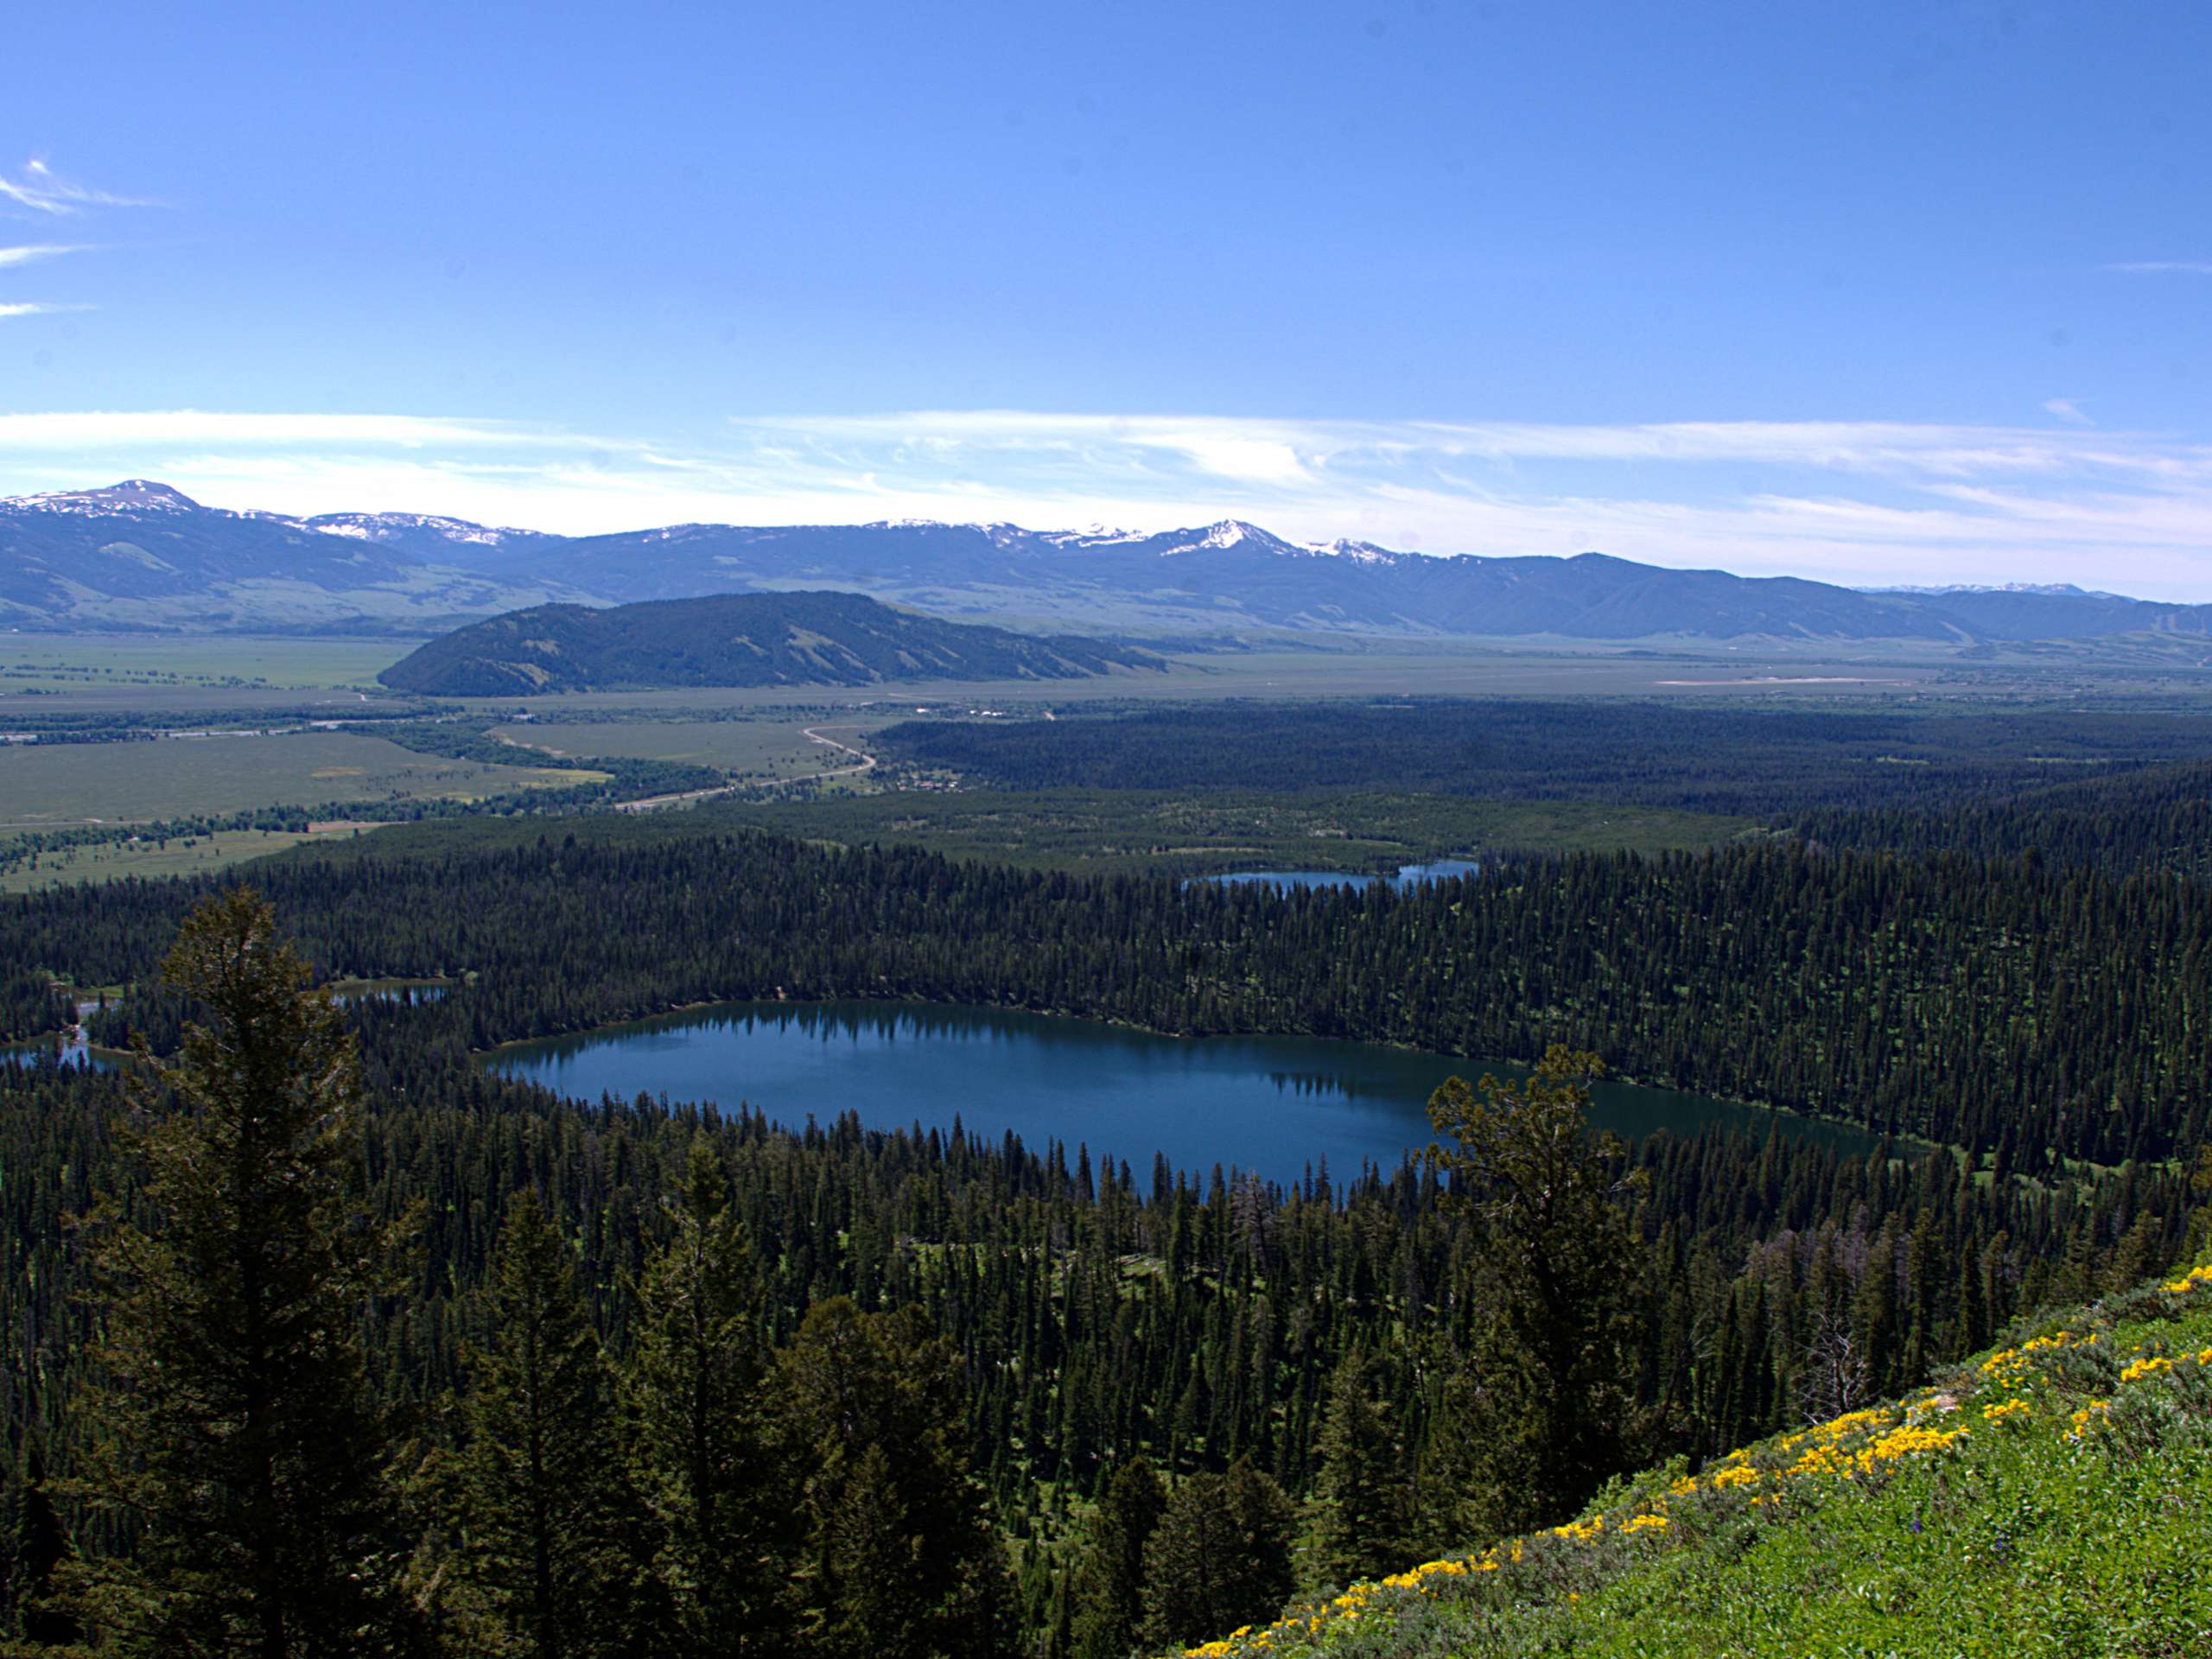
x=405 y=991
x=1275 y=1106
x=65 y=1051
x=1408 y=875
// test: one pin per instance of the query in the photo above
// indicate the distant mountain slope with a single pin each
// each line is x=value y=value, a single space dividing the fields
x=795 y=638
x=140 y=555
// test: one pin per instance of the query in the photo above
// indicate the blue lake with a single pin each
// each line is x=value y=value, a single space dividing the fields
x=1271 y=1105
x=1408 y=875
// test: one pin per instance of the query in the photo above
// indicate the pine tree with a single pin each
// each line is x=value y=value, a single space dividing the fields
x=1364 y=1528
x=1544 y=1412
x=38 y=1549
x=545 y=1521
x=1109 y=1579
x=238 y=1432
x=1220 y=1557
x=702 y=1448
x=900 y=1556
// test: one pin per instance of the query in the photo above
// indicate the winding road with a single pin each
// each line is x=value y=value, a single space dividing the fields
x=863 y=761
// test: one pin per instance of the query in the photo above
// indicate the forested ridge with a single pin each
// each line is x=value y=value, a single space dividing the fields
x=2008 y=1006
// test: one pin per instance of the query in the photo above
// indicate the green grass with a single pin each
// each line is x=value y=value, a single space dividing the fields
x=771 y=747
x=2050 y=1498
x=151 y=861
x=55 y=786
x=85 y=661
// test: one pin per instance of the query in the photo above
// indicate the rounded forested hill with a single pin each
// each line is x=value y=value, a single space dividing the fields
x=738 y=640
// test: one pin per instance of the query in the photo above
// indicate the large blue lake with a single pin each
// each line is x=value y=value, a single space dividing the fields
x=1271 y=1105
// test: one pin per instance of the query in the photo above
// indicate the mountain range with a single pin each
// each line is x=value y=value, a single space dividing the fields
x=791 y=639
x=140 y=554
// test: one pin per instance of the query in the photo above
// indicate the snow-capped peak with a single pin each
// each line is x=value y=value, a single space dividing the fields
x=1357 y=552
x=391 y=526
x=2065 y=590
x=132 y=495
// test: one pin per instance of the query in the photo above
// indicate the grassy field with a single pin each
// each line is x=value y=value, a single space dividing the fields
x=767 y=746
x=1106 y=831
x=2047 y=1499
x=80 y=662
x=54 y=785
x=190 y=855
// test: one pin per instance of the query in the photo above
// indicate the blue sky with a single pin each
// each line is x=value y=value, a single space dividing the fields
x=1870 y=292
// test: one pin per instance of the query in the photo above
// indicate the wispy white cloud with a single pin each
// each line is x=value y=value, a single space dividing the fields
x=1854 y=501
x=37 y=187
x=2068 y=410
x=23 y=255
x=2164 y=268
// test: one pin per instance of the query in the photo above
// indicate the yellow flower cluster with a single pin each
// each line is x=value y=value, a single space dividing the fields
x=2011 y=1364
x=2003 y=1408
x=1740 y=1474
x=1647 y=1523
x=2094 y=1412
x=1581 y=1532
x=2195 y=1278
x=2149 y=1365
x=1351 y=1605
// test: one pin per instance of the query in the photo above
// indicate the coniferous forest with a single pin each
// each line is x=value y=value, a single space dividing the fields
x=322 y=1338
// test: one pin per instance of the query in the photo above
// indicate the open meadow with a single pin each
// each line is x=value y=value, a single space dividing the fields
x=139 y=662
x=47 y=786
x=152 y=860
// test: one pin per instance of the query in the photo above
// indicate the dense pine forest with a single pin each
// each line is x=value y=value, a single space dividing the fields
x=322 y=1338
x=2025 y=1011
x=1708 y=759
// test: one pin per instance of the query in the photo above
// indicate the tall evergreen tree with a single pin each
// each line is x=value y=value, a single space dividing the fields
x=1220 y=1557
x=899 y=1555
x=238 y=1433
x=541 y=1508
x=1109 y=1579
x=1545 y=1411
x=37 y=1549
x=1364 y=1524
x=705 y=1459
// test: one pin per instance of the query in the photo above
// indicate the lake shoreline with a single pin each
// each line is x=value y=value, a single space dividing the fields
x=1196 y=1081
x=1794 y=1113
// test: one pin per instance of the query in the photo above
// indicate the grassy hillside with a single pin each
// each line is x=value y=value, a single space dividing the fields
x=2050 y=1497
x=737 y=639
